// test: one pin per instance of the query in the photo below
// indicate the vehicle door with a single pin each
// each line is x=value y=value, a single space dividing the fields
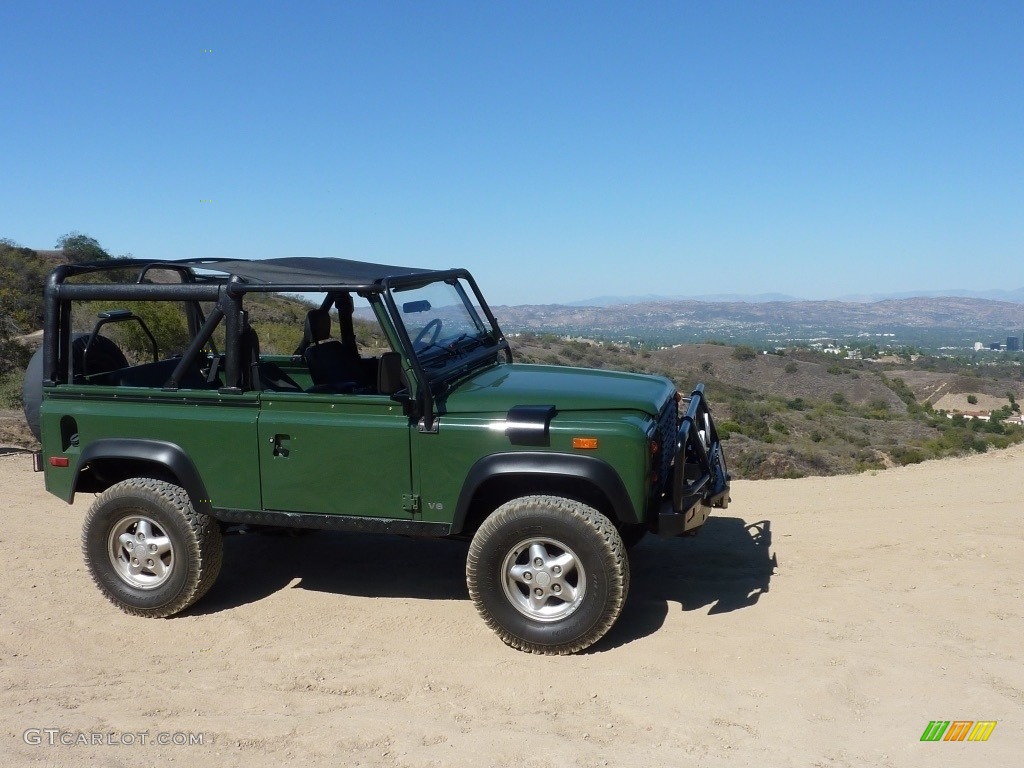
x=338 y=454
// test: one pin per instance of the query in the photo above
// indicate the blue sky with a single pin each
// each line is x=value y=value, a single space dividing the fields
x=559 y=150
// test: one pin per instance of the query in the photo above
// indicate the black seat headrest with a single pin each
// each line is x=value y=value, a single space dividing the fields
x=318 y=325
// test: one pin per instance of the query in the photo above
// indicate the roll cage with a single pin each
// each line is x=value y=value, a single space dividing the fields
x=224 y=283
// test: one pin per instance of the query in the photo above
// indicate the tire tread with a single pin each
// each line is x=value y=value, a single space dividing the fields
x=610 y=539
x=204 y=546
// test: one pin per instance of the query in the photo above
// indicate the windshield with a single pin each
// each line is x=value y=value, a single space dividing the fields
x=441 y=319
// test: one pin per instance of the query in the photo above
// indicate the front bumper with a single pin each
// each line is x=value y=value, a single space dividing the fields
x=700 y=481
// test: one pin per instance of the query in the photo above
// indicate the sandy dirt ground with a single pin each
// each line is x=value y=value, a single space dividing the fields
x=816 y=622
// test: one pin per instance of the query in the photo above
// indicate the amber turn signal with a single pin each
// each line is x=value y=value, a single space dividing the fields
x=584 y=442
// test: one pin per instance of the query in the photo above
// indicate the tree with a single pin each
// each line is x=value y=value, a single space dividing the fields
x=22 y=275
x=79 y=248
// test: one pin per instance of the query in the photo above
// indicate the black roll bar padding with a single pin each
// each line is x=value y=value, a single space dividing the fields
x=51 y=324
x=200 y=339
x=346 y=328
x=58 y=295
x=144 y=292
x=231 y=305
x=64 y=345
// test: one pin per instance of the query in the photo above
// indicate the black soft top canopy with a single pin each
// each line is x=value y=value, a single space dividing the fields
x=302 y=269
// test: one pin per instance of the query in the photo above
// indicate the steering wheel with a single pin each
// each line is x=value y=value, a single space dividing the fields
x=428 y=334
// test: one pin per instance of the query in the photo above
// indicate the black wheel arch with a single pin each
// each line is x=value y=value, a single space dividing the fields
x=500 y=477
x=108 y=461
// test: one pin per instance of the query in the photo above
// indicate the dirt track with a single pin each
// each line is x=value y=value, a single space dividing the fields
x=816 y=622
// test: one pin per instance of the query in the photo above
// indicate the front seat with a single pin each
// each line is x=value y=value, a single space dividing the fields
x=333 y=366
x=261 y=375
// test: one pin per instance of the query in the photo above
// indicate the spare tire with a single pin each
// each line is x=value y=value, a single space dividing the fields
x=104 y=356
x=32 y=391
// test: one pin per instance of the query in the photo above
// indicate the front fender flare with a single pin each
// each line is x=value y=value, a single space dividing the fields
x=597 y=472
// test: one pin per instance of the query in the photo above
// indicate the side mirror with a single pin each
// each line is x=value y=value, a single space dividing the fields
x=390 y=376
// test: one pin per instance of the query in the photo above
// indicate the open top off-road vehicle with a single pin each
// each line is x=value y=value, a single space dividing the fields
x=151 y=390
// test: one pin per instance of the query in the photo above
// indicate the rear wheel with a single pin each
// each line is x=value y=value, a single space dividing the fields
x=548 y=574
x=148 y=550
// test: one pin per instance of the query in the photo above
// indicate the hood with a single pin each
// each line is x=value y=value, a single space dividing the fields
x=501 y=387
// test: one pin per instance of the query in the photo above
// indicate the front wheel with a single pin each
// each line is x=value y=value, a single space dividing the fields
x=148 y=550
x=549 y=575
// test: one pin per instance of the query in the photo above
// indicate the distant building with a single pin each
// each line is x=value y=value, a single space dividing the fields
x=1012 y=343
x=978 y=346
x=995 y=346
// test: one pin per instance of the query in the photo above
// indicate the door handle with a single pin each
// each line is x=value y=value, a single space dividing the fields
x=280 y=443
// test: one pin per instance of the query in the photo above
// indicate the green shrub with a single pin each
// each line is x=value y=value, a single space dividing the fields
x=972 y=399
x=906 y=455
x=744 y=352
x=791 y=368
x=14 y=355
x=10 y=389
x=899 y=386
x=727 y=429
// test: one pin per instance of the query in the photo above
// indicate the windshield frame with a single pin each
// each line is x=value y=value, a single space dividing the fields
x=464 y=358
x=442 y=355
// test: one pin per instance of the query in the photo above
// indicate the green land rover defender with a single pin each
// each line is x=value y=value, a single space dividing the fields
x=393 y=406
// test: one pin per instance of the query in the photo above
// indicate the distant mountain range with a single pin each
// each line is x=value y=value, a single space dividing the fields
x=1012 y=296
x=926 y=321
x=610 y=301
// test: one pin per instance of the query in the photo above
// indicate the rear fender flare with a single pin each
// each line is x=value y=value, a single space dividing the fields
x=169 y=456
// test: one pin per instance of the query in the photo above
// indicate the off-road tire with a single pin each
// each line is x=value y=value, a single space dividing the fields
x=564 y=531
x=195 y=546
x=32 y=392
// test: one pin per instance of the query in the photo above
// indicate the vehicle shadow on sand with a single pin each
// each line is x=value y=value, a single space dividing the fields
x=257 y=565
x=727 y=567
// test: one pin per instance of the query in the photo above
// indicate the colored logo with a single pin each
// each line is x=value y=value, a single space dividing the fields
x=958 y=730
